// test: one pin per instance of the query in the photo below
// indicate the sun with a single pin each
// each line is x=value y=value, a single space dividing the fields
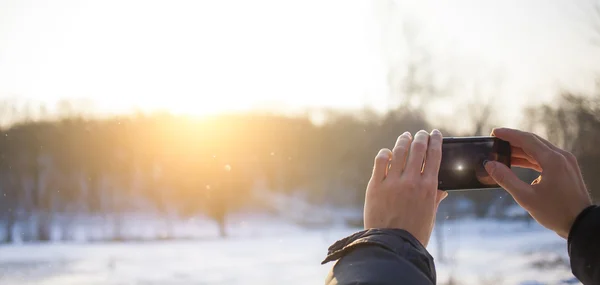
x=192 y=57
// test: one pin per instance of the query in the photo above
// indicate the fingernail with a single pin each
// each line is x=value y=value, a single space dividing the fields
x=407 y=134
x=436 y=132
x=383 y=153
x=488 y=165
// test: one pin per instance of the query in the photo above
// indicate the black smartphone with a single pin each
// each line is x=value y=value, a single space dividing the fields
x=462 y=162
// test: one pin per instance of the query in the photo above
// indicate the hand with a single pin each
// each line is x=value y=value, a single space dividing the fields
x=558 y=195
x=402 y=193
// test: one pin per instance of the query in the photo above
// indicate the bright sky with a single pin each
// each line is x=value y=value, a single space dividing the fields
x=203 y=57
x=190 y=56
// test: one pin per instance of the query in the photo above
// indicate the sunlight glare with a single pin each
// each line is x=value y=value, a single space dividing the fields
x=192 y=57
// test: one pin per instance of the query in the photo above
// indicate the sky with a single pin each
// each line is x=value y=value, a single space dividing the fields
x=205 y=57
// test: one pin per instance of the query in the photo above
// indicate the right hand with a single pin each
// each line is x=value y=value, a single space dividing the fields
x=558 y=195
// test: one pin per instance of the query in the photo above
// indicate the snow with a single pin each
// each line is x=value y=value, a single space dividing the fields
x=492 y=252
x=268 y=251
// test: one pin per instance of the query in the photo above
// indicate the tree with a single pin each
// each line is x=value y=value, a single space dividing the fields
x=10 y=196
x=410 y=73
x=596 y=24
x=573 y=123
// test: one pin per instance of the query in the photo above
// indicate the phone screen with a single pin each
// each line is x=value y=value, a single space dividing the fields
x=462 y=162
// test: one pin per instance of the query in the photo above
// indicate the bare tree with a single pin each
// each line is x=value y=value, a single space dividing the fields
x=410 y=74
x=481 y=112
x=596 y=24
x=573 y=123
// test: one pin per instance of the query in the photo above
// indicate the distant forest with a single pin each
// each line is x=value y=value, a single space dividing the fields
x=180 y=166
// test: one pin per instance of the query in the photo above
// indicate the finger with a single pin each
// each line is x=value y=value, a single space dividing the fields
x=565 y=153
x=530 y=144
x=433 y=157
x=418 y=148
x=553 y=147
x=546 y=142
x=524 y=163
x=569 y=156
x=380 y=168
x=439 y=197
x=520 y=190
x=518 y=156
x=519 y=152
x=400 y=153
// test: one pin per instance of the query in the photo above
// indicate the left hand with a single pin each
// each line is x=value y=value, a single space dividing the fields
x=402 y=193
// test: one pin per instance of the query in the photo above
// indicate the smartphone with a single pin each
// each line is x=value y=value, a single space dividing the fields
x=462 y=162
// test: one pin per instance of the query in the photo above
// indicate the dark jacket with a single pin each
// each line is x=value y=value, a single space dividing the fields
x=393 y=256
x=584 y=246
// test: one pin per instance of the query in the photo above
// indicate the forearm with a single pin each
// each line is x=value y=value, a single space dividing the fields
x=584 y=246
x=380 y=256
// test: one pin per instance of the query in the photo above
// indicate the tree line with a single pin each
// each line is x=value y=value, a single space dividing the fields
x=179 y=166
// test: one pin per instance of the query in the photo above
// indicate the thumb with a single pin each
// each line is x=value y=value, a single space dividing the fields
x=507 y=179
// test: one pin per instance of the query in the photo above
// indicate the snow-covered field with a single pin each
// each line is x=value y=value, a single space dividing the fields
x=476 y=252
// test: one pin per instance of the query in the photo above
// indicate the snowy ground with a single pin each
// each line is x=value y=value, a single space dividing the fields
x=476 y=252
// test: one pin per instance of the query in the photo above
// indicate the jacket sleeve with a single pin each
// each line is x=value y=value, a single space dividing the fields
x=380 y=256
x=584 y=246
